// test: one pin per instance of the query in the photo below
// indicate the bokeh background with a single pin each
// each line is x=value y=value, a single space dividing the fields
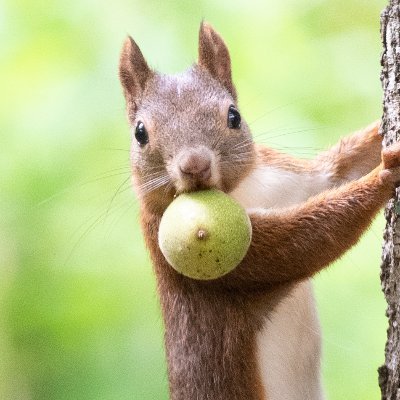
x=79 y=317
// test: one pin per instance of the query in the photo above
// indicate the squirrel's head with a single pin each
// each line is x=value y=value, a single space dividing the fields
x=187 y=130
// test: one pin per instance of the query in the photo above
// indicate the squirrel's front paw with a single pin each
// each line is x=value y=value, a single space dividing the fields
x=391 y=164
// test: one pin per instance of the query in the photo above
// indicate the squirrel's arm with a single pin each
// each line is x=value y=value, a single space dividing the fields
x=295 y=243
x=353 y=156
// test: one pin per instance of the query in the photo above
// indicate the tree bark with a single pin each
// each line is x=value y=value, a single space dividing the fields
x=389 y=373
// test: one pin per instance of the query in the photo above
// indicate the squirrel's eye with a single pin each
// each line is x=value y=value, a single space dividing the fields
x=141 y=134
x=234 y=119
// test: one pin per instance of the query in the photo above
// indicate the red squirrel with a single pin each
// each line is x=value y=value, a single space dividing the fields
x=248 y=335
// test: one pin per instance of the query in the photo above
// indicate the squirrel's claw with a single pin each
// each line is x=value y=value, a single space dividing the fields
x=391 y=164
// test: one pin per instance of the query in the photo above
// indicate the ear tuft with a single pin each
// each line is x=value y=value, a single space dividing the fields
x=133 y=70
x=214 y=57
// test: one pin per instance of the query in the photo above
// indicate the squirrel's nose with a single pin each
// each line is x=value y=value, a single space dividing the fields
x=196 y=164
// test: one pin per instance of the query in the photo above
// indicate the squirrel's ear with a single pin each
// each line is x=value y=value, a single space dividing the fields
x=214 y=56
x=133 y=70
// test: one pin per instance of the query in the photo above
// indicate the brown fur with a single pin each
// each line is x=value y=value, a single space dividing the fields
x=214 y=57
x=274 y=158
x=133 y=73
x=353 y=157
x=211 y=326
x=210 y=332
x=297 y=242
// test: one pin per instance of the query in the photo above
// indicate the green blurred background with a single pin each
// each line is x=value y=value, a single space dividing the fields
x=79 y=317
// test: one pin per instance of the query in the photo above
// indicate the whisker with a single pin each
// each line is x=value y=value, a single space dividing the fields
x=294 y=101
x=151 y=170
x=271 y=130
x=294 y=132
x=73 y=187
x=93 y=221
x=242 y=144
x=287 y=133
x=154 y=184
x=154 y=179
x=298 y=153
x=116 y=220
x=116 y=194
x=154 y=174
x=112 y=149
x=298 y=147
x=244 y=154
x=155 y=187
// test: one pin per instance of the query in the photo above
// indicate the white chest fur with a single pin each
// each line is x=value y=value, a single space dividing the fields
x=289 y=343
x=268 y=187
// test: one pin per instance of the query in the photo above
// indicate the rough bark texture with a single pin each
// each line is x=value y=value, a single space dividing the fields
x=389 y=373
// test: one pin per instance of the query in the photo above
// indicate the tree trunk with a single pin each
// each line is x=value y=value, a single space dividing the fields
x=389 y=373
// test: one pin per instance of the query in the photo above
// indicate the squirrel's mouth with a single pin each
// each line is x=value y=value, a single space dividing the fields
x=193 y=184
x=195 y=169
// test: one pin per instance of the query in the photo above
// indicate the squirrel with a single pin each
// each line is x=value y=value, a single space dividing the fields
x=248 y=335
